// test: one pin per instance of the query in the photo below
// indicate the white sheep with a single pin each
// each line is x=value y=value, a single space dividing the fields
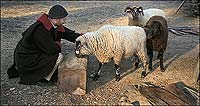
x=113 y=42
x=139 y=17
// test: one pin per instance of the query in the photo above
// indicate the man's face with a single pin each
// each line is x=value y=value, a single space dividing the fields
x=60 y=22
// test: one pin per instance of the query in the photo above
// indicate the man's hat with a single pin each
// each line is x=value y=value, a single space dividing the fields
x=57 y=12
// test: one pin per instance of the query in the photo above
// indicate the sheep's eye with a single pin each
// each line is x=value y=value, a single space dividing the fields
x=78 y=43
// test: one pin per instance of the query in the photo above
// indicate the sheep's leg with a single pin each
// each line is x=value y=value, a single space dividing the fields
x=150 y=55
x=97 y=75
x=117 y=60
x=137 y=61
x=160 y=56
x=117 y=77
x=143 y=58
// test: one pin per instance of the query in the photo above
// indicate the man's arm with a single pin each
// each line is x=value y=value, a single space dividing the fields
x=69 y=35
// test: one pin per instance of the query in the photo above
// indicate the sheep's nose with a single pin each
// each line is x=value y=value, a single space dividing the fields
x=78 y=54
x=77 y=51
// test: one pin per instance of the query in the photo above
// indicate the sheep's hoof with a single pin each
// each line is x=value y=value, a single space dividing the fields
x=136 y=64
x=117 y=78
x=162 y=70
x=96 y=76
x=143 y=74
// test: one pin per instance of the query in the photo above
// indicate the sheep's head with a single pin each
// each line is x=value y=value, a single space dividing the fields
x=82 y=48
x=153 y=30
x=134 y=11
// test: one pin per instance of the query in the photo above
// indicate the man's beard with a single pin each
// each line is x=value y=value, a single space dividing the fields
x=58 y=25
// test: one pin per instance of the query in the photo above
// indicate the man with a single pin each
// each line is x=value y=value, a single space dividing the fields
x=38 y=53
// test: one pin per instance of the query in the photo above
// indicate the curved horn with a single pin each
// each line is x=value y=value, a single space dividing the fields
x=140 y=10
x=128 y=8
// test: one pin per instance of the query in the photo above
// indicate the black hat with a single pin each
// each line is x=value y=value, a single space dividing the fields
x=57 y=12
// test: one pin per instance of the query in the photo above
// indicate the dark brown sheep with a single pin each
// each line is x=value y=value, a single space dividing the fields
x=157 y=36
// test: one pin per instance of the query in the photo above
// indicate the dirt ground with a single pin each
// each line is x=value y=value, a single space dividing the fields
x=179 y=58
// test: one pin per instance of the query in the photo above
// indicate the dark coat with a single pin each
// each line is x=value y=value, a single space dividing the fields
x=159 y=42
x=36 y=53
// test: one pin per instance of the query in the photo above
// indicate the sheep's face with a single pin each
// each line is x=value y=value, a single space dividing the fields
x=131 y=12
x=81 y=49
x=134 y=11
x=155 y=29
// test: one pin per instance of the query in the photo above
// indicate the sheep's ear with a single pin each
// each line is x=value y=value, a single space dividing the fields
x=146 y=29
